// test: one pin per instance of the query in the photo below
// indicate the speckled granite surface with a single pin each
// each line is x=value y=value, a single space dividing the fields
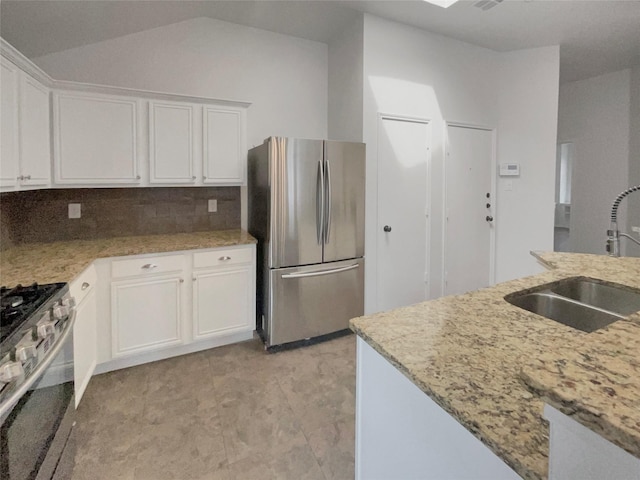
x=472 y=353
x=63 y=261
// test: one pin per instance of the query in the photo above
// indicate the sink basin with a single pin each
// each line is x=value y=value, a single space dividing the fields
x=564 y=310
x=614 y=298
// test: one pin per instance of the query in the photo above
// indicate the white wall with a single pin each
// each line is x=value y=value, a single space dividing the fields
x=527 y=131
x=345 y=84
x=414 y=73
x=285 y=78
x=633 y=206
x=594 y=115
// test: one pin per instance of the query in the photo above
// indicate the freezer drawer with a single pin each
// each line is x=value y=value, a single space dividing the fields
x=307 y=302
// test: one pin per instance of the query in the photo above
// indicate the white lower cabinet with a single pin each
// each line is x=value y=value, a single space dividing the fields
x=147 y=310
x=221 y=300
x=146 y=314
x=84 y=331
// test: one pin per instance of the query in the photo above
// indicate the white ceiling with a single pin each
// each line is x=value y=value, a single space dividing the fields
x=596 y=36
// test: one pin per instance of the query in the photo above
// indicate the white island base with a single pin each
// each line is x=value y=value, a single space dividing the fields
x=402 y=434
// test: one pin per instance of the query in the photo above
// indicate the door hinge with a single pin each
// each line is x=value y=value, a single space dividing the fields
x=426 y=277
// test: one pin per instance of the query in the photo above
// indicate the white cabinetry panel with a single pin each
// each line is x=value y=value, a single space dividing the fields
x=146 y=314
x=84 y=344
x=224 y=148
x=9 y=147
x=221 y=302
x=171 y=143
x=95 y=139
x=35 y=133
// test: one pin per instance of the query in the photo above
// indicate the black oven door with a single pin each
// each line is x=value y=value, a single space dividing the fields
x=36 y=434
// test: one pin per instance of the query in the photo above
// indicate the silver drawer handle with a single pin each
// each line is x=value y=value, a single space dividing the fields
x=225 y=258
x=84 y=286
x=149 y=266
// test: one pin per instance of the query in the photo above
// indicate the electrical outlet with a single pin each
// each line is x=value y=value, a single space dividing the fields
x=74 y=210
x=213 y=205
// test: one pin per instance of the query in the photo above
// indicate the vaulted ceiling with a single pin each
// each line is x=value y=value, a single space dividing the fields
x=596 y=36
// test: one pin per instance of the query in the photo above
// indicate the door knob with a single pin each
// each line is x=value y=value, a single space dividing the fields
x=387 y=228
x=489 y=218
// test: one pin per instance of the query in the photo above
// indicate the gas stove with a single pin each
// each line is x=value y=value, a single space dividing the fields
x=18 y=304
x=36 y=381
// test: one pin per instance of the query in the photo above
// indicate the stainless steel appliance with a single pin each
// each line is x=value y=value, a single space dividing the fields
x=37 y=406
x=306 y=208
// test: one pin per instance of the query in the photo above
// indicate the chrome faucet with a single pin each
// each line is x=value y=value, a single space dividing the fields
x=613 y=234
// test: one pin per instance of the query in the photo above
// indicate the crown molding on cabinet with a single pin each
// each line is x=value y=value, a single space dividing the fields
x=12 y=54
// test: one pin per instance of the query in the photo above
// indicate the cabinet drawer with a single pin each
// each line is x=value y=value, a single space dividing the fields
x=83 y=284
x=219 y=258
x=147 y=266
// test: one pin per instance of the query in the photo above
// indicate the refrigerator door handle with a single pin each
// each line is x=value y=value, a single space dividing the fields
x=320 y=203
x=321 y=272
x=327 y=225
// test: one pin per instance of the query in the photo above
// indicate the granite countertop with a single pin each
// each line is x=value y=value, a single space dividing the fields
x=63 y=261
x=492 y=365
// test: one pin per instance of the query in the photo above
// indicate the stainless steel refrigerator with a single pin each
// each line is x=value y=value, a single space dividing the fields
x=306 y=208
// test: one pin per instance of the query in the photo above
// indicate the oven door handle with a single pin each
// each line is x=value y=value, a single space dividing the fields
x=10 y=401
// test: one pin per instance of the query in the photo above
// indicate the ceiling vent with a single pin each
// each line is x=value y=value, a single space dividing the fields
x=487 y=4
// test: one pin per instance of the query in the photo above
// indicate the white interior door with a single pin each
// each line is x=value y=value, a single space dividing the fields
x=403 y=151
x=469 y=208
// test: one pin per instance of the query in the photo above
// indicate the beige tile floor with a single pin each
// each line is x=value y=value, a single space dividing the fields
x=233 y=412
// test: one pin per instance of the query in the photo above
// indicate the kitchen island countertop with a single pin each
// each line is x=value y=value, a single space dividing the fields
x=492 y=365
x=63 y=261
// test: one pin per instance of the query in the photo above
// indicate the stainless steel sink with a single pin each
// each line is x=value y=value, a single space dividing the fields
x=583 y=303
x=564 y=310
x=611 y=297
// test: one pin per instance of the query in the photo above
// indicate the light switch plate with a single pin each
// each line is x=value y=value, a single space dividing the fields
x=213 y=205
x=74 y=210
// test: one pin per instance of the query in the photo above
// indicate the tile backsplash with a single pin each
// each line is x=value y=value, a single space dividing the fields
x=42 y=215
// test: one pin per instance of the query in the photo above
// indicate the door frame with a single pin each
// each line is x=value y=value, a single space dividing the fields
x=427 y=205
x=494 y=166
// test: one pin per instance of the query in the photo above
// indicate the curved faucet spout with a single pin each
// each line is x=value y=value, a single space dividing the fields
x=613 y=234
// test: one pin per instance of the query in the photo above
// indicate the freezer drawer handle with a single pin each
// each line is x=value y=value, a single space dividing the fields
x=149 y=266
x=321 y=272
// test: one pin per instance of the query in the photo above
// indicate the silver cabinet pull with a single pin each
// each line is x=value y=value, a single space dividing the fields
x=84 y=286
x=137 y=177
x=20 y=177
x=149 y=266
x=225 y=258
x=182 y=280
x=27 y=177
x=193 y=178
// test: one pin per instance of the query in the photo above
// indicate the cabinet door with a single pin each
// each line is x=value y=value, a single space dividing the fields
x=224 y=148
x=35 y=137
x=9 y=75
x=146 y=314
x=221 y=302
x=171 y=143
x=95 y=139
x=84 y=343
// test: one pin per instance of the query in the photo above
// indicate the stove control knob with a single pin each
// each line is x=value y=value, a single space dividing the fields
x=25 y=352
x=69 y=302
x=60 y=312
x=45 y=329
x=11 y=371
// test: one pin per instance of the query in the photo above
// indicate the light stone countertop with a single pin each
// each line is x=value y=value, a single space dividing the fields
x=481 y=359
x=63 y=261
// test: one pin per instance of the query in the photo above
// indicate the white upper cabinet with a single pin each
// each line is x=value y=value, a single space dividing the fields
x=171 y=143
x=25 y=156
x=9 y=77
x=35 y=133
x=224 y=146
x=95 y=138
